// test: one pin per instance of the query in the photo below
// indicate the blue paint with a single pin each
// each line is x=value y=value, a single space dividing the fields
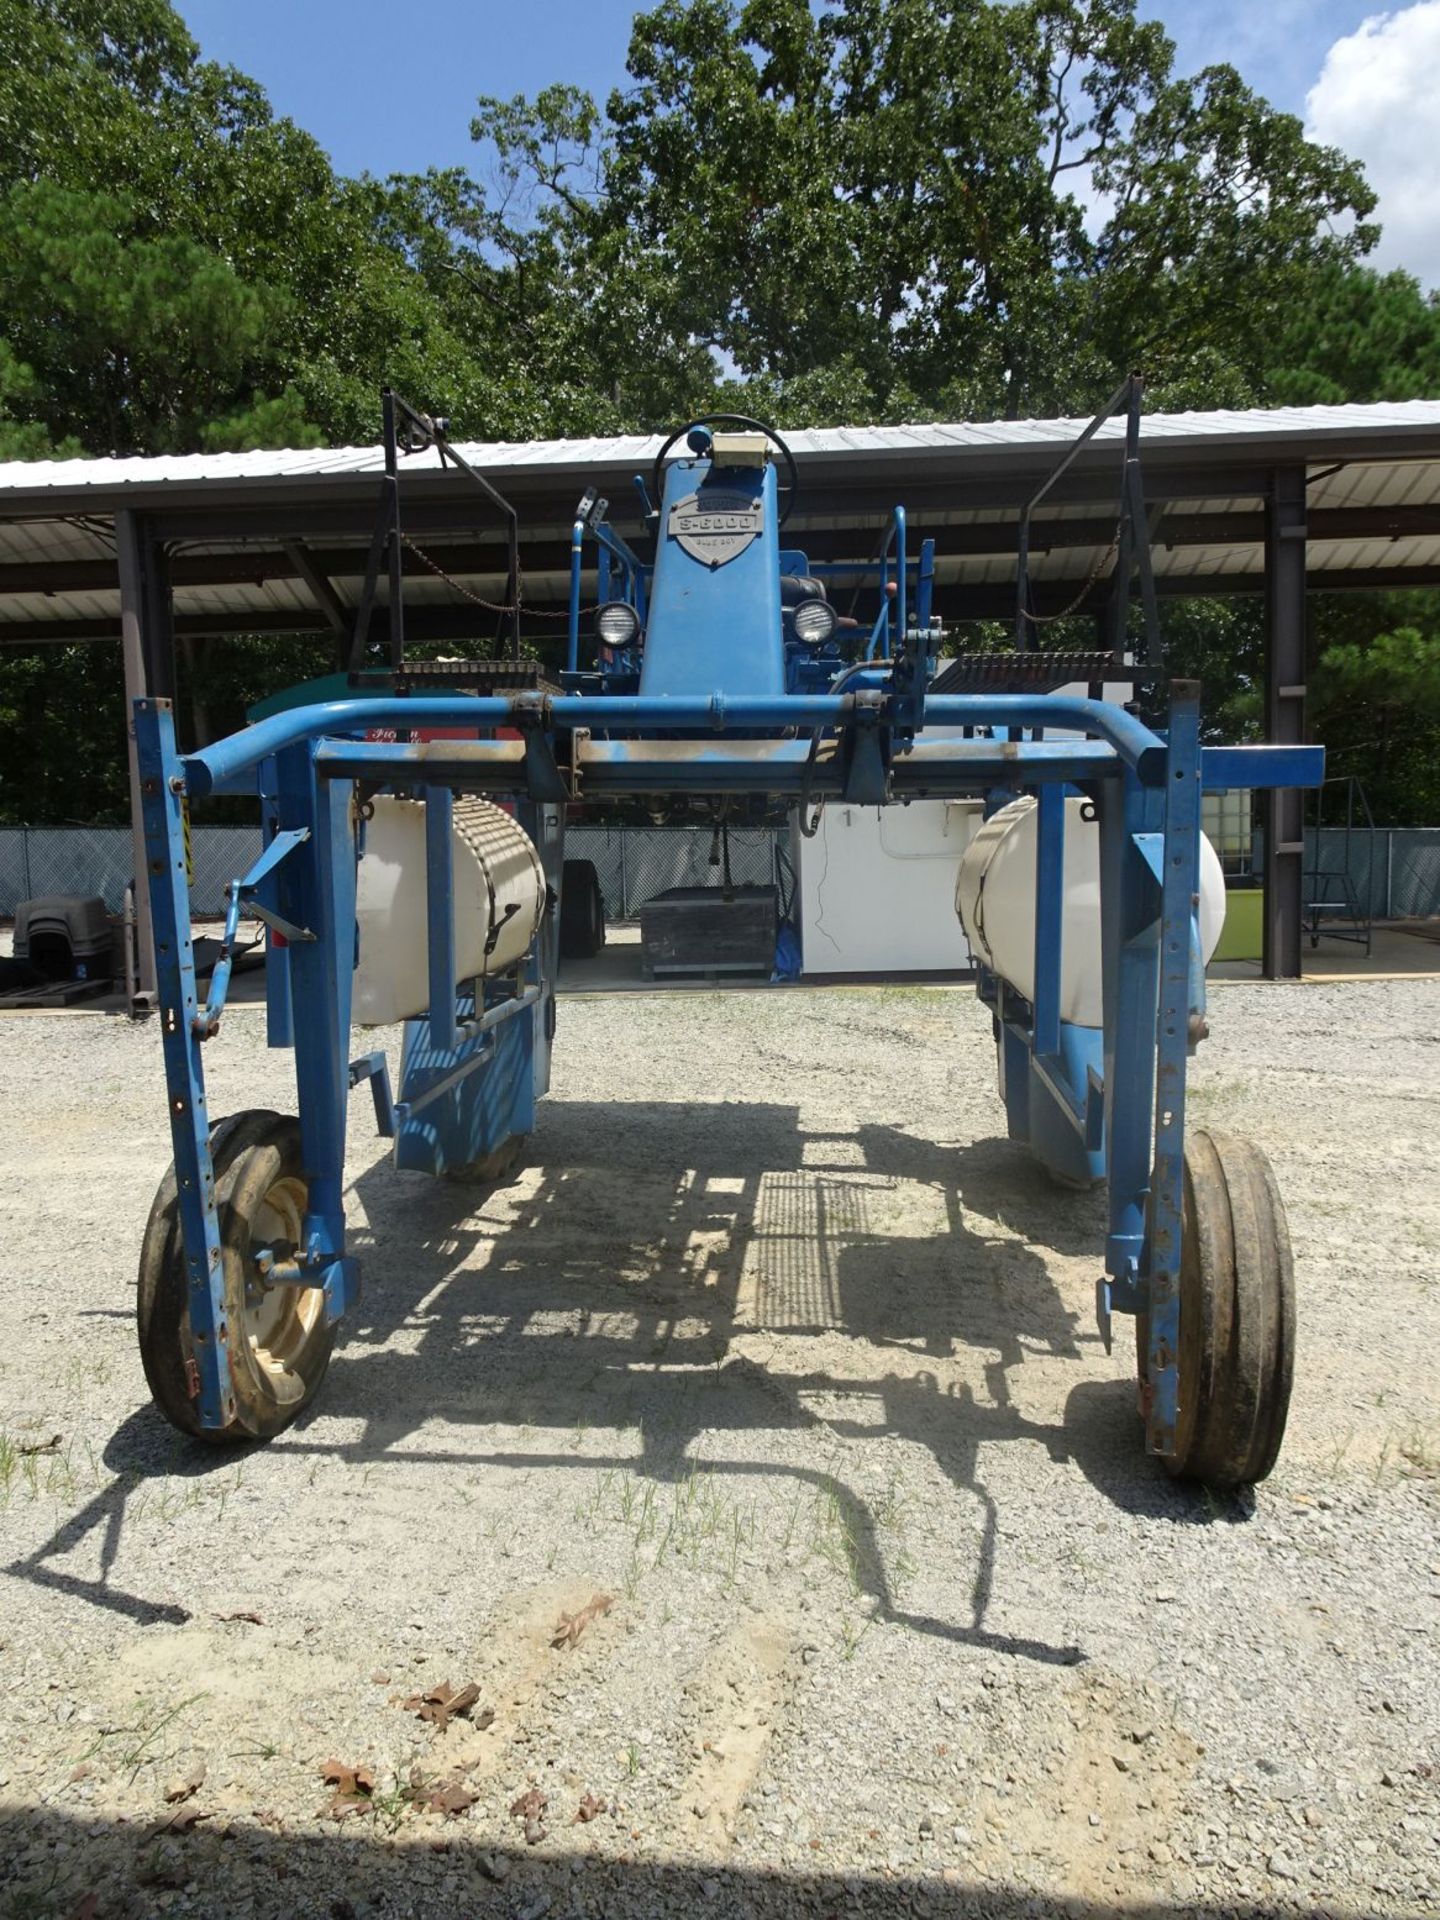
x=715 y=627
x=713 y=701
x=440 y=916
x=161 y=805
x=476 y=1114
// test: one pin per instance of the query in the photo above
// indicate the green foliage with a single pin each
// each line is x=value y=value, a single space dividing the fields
x=1357 y=335
x=1375 y=701
x=132 y=344
x=62 y=737
x=992 y=207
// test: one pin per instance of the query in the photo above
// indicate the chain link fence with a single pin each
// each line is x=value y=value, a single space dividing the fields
x=35 y=861
x=633 y=864
x=1396 y=875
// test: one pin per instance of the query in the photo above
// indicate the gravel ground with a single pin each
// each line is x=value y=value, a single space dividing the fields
x=777 y=1347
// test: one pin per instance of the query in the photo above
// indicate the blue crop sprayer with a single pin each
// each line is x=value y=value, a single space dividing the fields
x=413 y=870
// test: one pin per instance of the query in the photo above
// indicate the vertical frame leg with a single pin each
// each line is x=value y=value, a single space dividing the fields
x=440 y=916
x=279 y=1021
x=1049 y=915
x=1129 y=815
x=162 y=800
x=1179 y=903
x=317 y=889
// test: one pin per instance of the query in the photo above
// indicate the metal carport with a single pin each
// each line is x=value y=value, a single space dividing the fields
x=142 y=551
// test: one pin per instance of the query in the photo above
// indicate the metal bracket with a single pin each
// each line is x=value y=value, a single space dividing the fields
x=543 y=778
x=207 y=1023
x=374 y=1068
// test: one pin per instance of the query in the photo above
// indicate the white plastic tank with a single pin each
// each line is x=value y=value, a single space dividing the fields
x=498 y=885
x=995 y=899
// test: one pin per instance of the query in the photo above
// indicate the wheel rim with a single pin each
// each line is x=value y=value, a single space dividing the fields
x=279 y=1321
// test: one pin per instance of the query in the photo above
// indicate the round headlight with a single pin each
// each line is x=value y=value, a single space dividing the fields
x=814 y=622
x=617 y=624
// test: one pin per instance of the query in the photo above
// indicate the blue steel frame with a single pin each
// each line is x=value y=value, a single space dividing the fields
x=1090 y=1104
x=306 y=762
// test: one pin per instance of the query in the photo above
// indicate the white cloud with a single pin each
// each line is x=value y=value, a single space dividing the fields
x=1376 y=100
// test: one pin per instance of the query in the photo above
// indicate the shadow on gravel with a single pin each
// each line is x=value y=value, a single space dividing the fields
x=1101 y=1426
x=142 y=1448
x=639 y=1241
x=53 y=1867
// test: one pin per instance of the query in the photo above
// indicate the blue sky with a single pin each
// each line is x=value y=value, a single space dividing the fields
x=391 y=87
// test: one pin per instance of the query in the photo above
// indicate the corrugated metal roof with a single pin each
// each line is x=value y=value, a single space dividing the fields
x=1373 y=498
x=1230 y=427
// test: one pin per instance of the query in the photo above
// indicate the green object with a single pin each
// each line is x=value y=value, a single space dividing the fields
x=305 y=693
x=1243 y=931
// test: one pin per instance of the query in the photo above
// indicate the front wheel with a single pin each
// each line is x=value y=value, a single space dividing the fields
x=278 y=1339
x=1237 y=1316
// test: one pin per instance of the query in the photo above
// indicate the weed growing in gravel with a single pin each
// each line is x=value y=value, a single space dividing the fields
x=136 y=1744
x=700 y=1522
x=832 y=1537
x=37 y=1901
x=34 y=1470
x=851 y=1635
x=1420 y=1450
x=388 y=1805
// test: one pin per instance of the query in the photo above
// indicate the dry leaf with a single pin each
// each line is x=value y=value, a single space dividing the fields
x=451 y=1797
x=187 y=1783
x=440 y=1705
x=251 y=1619
x=530 y=1806
x=182 y=1820
x=570 y=1626
x=353 y=1788
x=587 y=1810
x=348 y=1780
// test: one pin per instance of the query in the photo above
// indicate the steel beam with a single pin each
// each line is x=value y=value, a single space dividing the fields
x=1284 y=817
x=326 y=599
x=291 y=558
x=129 y=542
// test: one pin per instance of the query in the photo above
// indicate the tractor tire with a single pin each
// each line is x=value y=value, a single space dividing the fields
x=1237 y=1316
x=278 y=1338
x=582 y=911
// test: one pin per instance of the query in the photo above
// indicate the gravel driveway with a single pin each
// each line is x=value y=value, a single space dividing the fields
x=751 y=1468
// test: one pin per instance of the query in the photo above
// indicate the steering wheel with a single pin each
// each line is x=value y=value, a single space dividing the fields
x=790 y=485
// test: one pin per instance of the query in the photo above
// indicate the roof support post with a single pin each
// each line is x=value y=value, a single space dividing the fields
x=138 y=649
x=1284 y=817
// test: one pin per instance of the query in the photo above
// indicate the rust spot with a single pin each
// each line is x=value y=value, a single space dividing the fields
x=192 y=1377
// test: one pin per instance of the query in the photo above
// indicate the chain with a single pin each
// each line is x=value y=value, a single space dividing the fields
x=1048 y=619
x=475 y=599
x=490 y=606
